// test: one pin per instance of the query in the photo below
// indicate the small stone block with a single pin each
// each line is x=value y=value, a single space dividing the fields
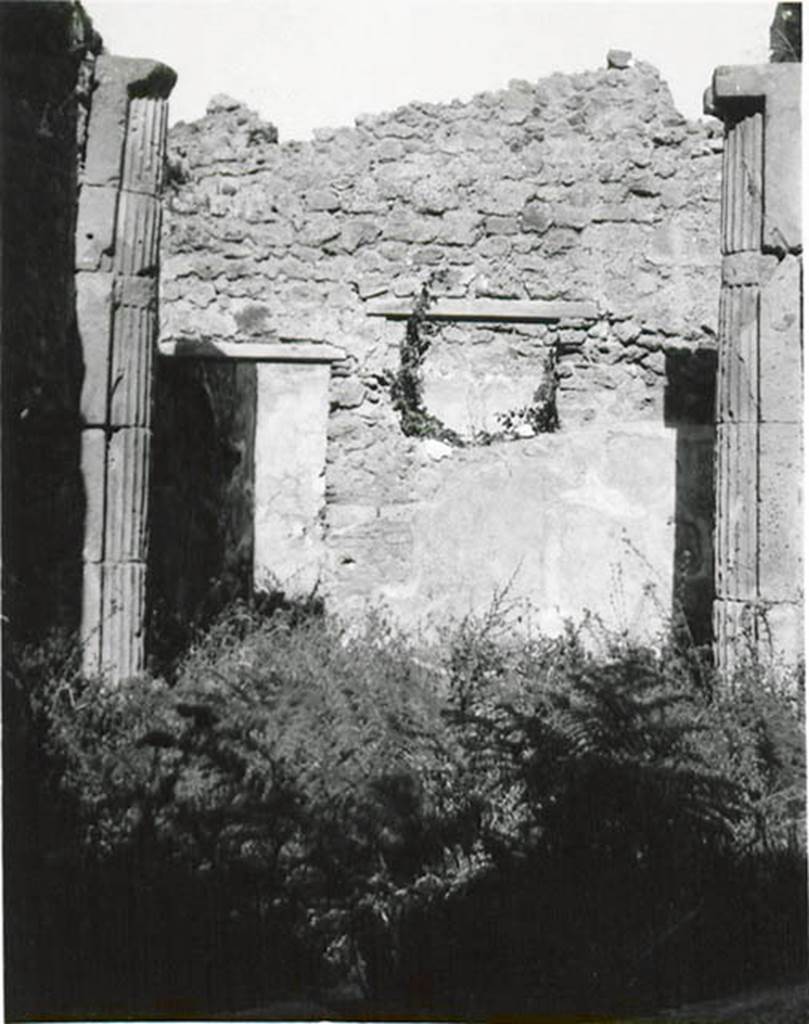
x=781 y=632
x=620 y=59
x=95 y=228
x=134 y=333
x=94 y=321
x=90 y=632
x=780 y=349
x=137 y=236
x=116 y=80
x=145 y=145
x=783 y=183
x=779 y=512
x=123 y=617
x=127 y=493
x=93 y=471
x=106 y=127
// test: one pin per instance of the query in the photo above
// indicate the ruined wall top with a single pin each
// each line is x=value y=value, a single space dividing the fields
x=576 y=187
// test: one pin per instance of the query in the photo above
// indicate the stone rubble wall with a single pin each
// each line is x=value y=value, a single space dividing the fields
x=584 y=187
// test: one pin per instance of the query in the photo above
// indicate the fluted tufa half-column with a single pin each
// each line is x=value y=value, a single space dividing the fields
x=117 y=246
x=758 y=607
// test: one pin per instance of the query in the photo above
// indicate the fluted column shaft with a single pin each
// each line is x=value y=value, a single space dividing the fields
x=117 y=246
x=758 y=573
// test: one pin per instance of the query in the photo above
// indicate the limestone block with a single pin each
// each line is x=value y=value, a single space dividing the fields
x=95 y=227
x=565 y=215
x=137 y=235
x=290 y=465
x=780 y=473
x=322 y=199
x=133 y=340
x=496 y=225
x=319 y=228
x=94 y=292
x=94 y=475
x=145 y=145
x=504 y=197
x=123 y=617
x=402 y=227
x=127 y=495
x=347 y=393
x=356 y=233
x=536 y=217
x=780 y=354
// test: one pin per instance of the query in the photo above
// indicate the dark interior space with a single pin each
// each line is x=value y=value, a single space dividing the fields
x=689 y=409
x=201 y=517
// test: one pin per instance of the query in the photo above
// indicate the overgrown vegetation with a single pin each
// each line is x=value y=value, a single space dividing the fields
x=483 y=824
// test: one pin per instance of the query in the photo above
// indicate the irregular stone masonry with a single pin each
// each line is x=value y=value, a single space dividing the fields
x=578 y=188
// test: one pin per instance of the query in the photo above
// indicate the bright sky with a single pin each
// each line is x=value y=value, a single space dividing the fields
x=305 y=64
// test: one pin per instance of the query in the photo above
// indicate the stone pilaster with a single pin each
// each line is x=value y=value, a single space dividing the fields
x=117 y=245
x=758 y=574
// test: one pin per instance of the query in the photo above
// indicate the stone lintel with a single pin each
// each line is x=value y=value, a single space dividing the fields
x=779 y=87
x=280 y=351
x=505 y=310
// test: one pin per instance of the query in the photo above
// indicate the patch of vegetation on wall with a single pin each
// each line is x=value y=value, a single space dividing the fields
x=407 y=388
x=540 y=416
